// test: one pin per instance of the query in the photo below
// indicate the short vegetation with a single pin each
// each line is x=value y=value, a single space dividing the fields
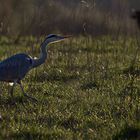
x=89 y=88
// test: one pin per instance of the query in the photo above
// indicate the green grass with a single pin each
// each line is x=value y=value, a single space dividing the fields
x=85 y=90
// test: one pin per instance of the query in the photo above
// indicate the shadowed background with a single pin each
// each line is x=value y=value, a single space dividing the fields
x=41 y=17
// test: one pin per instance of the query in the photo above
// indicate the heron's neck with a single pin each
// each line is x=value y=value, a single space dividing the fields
x=43 y=55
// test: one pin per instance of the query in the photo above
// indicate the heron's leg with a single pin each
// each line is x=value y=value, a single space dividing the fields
x=12 y=89
x=25 y=93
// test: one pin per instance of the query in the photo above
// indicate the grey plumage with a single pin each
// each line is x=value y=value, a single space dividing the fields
x=14 y=68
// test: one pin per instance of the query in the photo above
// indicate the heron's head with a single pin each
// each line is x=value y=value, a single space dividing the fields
x=52 y=38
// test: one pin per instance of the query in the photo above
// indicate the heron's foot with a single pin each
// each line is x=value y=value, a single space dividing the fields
x=31 y=98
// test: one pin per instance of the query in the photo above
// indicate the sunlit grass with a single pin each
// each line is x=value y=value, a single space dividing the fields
x=83 y=91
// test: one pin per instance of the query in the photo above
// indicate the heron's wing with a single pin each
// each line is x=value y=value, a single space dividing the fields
x=15 y=67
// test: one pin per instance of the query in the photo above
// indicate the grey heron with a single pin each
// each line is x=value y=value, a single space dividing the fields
x=14 y=68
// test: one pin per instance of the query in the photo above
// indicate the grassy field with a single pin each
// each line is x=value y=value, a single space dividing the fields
x=89 y=88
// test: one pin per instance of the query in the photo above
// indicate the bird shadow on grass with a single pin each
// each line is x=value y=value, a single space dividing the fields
x=128 y=133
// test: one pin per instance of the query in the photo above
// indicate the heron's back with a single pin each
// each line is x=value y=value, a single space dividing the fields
x=15 y=67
